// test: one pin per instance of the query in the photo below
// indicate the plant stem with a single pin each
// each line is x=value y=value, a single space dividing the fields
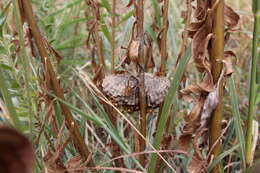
x=216 y=54
x=8 y=102
x=164 y=55
x=25 y=61
x=70 y=122
x=163 y=46
x=113 y=33
x=253 y=83
x=142 y=95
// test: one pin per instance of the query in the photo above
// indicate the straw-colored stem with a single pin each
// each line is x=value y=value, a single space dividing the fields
x=216 y=54
x=142 y=95
x=113 y=33
x=70 y=122
x=163 y=46
x=253 y=82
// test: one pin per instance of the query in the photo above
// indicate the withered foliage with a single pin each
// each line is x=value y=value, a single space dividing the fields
x=204 y=95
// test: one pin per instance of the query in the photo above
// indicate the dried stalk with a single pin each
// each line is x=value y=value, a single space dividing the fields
x=216 y=54
x=113 y=33
x=70 y=122
x=142 y=95
x=184 y=43
x=163 y=42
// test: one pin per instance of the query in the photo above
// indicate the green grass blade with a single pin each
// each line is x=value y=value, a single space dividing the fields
x=8 y=101
x=126 y=17
x=238 y=122
x=107 y=6
x=3 y=16
x=221 y=157
x=167 y=106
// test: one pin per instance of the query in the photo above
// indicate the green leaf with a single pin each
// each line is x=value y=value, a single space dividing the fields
x=70 y=5
x=167 y=106
x=3 y=17
x=106 y=32
x=222 y=156
x=126 y=17
x=106 y=4
x=6 y=67
x=238 y=121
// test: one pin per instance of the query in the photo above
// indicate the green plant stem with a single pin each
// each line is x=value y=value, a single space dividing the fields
x=216 y=54
x=167 y=107
x=50 y=73
x=253 y=82
x=25 y=61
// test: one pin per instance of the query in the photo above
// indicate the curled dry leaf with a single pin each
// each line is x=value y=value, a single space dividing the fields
x=196 y=166
x=193 y=118
x=204 y=95
x=53 y=164
x=209 y=106
x=231 y=18
x=74 y=165
x=130 y=3
x=227 y=61
x=16 y=152
x=133 y=50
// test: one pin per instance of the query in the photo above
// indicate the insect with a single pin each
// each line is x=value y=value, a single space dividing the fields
x=123 y=89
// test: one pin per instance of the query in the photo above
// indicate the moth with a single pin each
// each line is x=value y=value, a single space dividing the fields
x=123 y=89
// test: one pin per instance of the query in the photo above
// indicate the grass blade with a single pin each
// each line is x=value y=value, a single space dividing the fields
x=238 y=124
x=167 y=106
x=221 y=157
x=8 y=101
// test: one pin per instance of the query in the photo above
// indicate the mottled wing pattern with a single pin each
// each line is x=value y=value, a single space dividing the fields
x=156 y=89
x=124 y=89
x=121 y=88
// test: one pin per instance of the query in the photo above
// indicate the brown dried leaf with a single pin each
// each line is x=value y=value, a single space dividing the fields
x=16 y=152
x=184 y=142
x=228 y=62
x=133 y=50
x=56 y=54
x=98 y=76
x=193 y=118
x=186 y=93
x=231 y=18
x=211 y=102
x=207 y=83
x=52 y=164
x=194 y=27
x=201 y=9
x=209 y=106
x=130 y=3
x=196 y=166
x=74 y=163
x=199 y=49
x=148 y=52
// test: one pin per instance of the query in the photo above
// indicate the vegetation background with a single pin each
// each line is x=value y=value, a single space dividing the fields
x=77 y=37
